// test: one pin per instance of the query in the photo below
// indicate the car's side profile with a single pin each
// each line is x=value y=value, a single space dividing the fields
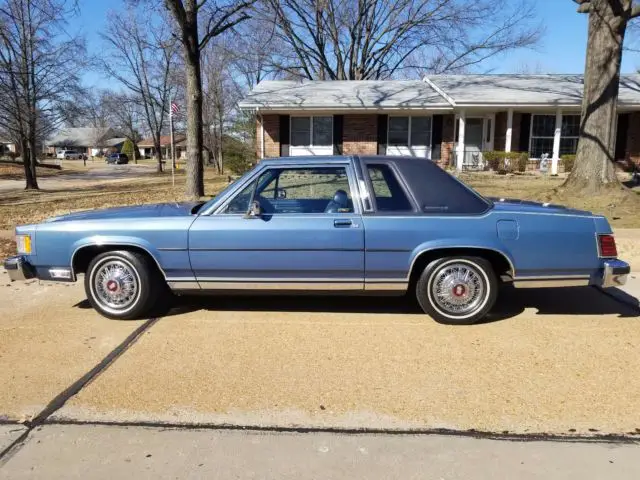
x=117 y=159
x=69 y=155
x=349 y=225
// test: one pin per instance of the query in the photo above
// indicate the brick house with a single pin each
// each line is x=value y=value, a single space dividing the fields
x=450 y=119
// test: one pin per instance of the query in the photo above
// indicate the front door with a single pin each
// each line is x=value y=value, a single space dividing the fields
x=307 y=236
x=473 y=141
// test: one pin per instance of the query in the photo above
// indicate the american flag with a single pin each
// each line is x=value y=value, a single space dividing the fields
x=175 y=109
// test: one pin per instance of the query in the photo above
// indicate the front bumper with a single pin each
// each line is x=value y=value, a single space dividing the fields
x=615 y=273
x=19 y=269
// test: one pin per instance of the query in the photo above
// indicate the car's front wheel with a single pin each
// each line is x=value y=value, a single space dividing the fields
x=457 y=290
x=123 y=285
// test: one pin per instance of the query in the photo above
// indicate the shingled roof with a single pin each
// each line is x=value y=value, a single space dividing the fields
x=434 y=92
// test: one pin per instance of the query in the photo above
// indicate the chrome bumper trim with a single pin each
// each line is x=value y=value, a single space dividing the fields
x=615 y=273
x=18 y=269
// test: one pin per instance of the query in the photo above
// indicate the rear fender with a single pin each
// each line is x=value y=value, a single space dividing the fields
x=461 y=243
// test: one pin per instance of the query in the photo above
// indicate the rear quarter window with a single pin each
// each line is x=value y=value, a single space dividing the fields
x=389 y=194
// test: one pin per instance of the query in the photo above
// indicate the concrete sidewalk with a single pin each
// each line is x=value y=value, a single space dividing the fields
x=89 y=451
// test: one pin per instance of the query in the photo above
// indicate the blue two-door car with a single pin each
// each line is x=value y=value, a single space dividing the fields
x=356 y=225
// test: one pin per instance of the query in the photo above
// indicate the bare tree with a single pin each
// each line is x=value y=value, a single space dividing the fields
x=34 y=95
x=217 y=16
x=126 y=116
x=594 y=169
x=142 y=56
x=378 y=39
x=221 y=94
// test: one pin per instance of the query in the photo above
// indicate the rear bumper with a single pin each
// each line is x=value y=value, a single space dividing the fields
x=615 y=273
x=19 y=269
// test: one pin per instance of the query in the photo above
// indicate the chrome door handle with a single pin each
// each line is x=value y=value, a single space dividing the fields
x=342 y=223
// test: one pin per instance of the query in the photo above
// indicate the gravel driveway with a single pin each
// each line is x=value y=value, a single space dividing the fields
x=554 y=361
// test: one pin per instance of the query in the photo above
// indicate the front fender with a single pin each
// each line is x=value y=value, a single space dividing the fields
x=114 y=240
x=466 y=242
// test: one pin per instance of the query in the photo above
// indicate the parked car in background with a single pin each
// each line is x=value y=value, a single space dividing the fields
x=352 y=225
x=69 y=155
x=117 y=158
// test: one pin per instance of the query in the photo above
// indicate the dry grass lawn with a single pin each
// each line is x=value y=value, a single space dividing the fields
x=16 y=172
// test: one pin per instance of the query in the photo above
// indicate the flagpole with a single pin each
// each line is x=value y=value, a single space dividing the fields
x=173 y=157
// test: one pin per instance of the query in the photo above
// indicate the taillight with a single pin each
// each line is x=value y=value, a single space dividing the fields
x=607 y=246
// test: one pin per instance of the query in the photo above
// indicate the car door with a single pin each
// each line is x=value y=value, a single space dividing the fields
x=309 y=234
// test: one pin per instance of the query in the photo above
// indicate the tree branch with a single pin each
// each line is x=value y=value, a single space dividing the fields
x=585 y=6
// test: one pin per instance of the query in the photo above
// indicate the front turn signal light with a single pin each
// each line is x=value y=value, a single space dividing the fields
x=24 y=244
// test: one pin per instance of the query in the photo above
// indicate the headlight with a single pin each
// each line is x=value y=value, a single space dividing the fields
x=24 y=244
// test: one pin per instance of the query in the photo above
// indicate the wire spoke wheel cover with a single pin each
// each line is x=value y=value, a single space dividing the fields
x=115 y=285
x=458 y=288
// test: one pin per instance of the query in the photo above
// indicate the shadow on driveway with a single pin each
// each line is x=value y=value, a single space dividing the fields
x=511 y=302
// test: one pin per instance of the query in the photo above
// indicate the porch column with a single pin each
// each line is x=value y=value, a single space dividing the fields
x=460 y=152
x=507 y=140
x=556 y=143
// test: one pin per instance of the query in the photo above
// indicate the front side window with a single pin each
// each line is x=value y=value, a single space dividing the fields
x=543 y=129
x=297 y=190
x=389 y=195
x=311 y=131
x=242 y=200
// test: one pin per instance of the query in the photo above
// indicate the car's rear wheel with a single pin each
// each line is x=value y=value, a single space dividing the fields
x=123 y=285
x=457 y=290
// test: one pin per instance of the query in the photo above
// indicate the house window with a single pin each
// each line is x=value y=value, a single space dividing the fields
x=543 y=129
x=311 y=131
x=570 y=134
x=410 y=131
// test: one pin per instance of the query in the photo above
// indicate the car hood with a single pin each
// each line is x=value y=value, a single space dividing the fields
x=137 y=211
x=515 y=205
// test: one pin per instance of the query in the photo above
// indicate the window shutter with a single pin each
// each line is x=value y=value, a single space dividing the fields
x=382 y=134
x=525 y=132
x=338 y=122
x=285 y=135
x=436 y=137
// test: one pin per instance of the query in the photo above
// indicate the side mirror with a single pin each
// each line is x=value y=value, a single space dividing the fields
x=281 y=193
x=254 y=210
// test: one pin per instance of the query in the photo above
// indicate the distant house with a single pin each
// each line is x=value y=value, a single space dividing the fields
x=7 y=147
x=449 y=119
x=88 y=140
x=147 y=148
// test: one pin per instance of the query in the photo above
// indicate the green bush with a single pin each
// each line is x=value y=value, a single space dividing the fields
x=506 y=162
x=567 y=162
x=127 y=148
x=237 y=163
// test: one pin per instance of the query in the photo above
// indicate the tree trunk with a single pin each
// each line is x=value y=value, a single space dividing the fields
x=158 y=148
x=26 y=162
x=195 y=182
x=33 y=159
x=594 y=168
